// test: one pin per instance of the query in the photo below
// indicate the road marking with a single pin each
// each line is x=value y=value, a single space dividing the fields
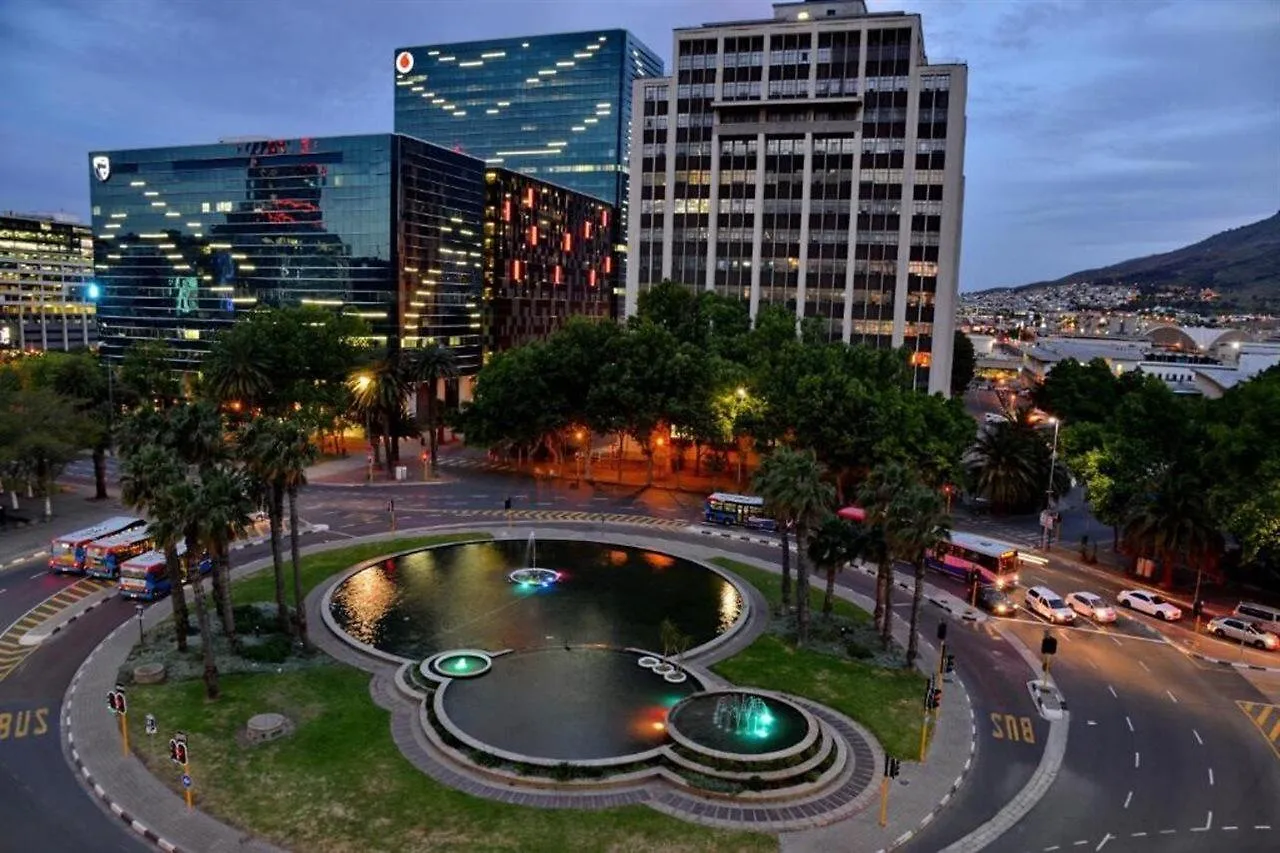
x=1208 y=824
x=1051 y=849
x=1169 y=693
x=1137 y=759
x=1127 y=798
x=1079 y=843
x=38 y=575
x=1113 y=692
x=1197 y=734
x=1168 y=831
x=1229 y=828
x=1104 y=840
x=1265 y=720
x=1143 y=664
x=1129 y=721
x=1211 y=776
x=1262 y=826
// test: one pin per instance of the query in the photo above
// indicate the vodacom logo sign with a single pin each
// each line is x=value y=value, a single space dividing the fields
x=404 y=62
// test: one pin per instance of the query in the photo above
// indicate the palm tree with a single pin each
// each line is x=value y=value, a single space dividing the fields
x=797 y=488
x=235 y=371
x=426 y=366
x=181 y=507
x=145 y=477
x=917 y=522
x=1010 y=464
x=260 y=449
x=296 y=454
x=770 y=479
x=225 y=509
x=876 y=495
x=835 y=543
x=1173 y=519
x=378 y=394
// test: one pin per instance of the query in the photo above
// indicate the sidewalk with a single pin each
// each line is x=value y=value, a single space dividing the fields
x=72 y=510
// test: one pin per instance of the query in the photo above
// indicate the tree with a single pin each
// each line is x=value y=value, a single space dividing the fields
x=1010 y=466
x=917 y=523
x=260 y=447
x=295 y=455
x=379 y=393
x=146 y=377
x=181 y=507
x=224 y=511
x=794 y=484
x=146 y=476
x=876 y=496
x=964 y=361
x=425 y=367
x=238 y=367
x=82 y=378
x=1172 y=521
x=49 y=432
x=834 y=543
x=1079 y=393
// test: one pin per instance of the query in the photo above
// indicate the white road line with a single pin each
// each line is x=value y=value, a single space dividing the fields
x=1169 y=693
x=1208 y=824
x=1079 y=843
x=1197 y=734
x=1129 y=721
x=1168 y=831
x=1210 y=775
x=1229 y=828
x=1051 y=849
x=1138 y=835
x=38 y=575
x=1104 y=840
x=1113 y=692
x=1143 y=664
x=1127 y=798
x=1116 y=640
x=1137 y=759
x=1262 y=826
x=1093 y=663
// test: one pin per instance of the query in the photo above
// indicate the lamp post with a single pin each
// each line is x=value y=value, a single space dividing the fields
x=1048 y=492
x=361 y=383
x=741 y=395
x=138 y=608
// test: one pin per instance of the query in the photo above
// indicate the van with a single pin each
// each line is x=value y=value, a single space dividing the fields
x=1267 y=617
x=1046 y=603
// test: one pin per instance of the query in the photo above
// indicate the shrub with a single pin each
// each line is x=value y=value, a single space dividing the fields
x=273 y=648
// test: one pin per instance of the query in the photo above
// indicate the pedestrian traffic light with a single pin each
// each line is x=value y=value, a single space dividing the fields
x=973 y=577
x=181 y=753
x=116 y=702
x=935 y=699
x=1049 y=645
x=895 y=767
x=942 y=630
x=173 y=750
x=949 y=664
x=111 y=702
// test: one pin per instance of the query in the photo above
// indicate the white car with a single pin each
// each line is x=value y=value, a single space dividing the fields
x=992 y=418
x=1091 y=606
x=1245 y=632
x=1150 y=604
x=1043 y=601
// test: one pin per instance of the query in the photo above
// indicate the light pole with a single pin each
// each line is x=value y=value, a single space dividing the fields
x=138 y=608
x=1048 y=492
x=741 y=395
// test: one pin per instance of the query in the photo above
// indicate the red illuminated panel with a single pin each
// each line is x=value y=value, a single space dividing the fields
x=604 y=218
x=533 y=235
x=515 y=270
x=558 y=275
x=608 y=264
x=586 y=229
x=528 y=197
x=591 y=277
x=921 y=359
x=567 y=243
x=506 y=210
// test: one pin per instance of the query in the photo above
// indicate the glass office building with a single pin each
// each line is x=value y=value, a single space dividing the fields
x=46 y=296
x=382 y=226
x=556 y=107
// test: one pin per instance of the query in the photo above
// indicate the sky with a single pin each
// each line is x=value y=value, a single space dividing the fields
x=1099 y=130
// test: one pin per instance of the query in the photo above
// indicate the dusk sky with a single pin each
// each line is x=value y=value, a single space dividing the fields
x=1098 y=129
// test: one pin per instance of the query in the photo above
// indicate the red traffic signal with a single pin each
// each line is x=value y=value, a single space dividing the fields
x=116 y=702
x=182 y=753
x=111 y=702
x=935 y=699
x=173 y=751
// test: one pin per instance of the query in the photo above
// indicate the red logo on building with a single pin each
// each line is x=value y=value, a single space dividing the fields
x=404 y=62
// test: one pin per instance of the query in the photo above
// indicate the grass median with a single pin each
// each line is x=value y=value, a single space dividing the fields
x=884 y=699
x=339 y=784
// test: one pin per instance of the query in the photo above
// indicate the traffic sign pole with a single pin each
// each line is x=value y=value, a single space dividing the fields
x=884 y=801
x=124 y=732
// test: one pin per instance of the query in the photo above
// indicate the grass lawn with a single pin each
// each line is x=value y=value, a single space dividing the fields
x=770 y=586
x=261 y=585
x=885 y=700
x=339 y=785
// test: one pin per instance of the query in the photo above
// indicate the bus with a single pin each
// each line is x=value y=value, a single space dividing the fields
x=66 y=553
x=744 y=510
x=996 y=562
x=146 y=576
x=102 y=557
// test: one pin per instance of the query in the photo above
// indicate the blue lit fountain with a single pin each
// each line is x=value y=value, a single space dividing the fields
x=742 y=714
x=531 y=575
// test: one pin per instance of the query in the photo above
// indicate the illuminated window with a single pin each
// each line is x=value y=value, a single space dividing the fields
x=533 y=235
x=528 y=197
x=558 y=275
x=568 y=242
x=591 y=277
x=604 y=218
x=506 y=210
x=515 y=270
x=608 y=264
x=921 y=359
x=586 y=229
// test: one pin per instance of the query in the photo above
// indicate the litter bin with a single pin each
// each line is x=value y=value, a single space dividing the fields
x=402 y=472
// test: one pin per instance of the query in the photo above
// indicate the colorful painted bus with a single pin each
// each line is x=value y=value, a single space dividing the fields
x=102 y=557
x=996 y=562
x=146 y=576
x=742 y=510
x=66 y=553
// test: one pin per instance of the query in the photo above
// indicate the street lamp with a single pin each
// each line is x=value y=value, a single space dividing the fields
x=138 y=608
x=1048 y=492
x=741 y=394
x=361 y=382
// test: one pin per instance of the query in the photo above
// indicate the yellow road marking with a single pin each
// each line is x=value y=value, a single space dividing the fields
x=1260 y=714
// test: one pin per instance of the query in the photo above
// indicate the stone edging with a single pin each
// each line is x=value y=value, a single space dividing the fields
x=1236 y=664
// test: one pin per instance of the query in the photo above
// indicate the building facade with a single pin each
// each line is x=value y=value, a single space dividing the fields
x=548 y=255
x=382 y=226
x=812 y=160
x=46 y=288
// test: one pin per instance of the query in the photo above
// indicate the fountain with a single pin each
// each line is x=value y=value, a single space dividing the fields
x=531 y=575
x=743 y=715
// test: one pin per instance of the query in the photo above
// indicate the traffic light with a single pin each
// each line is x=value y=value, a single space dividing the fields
x=111 y=702
x=973 y=577
x=928 y=693
x=895 y=767
x=116 y=702
x=942 y=630
x=173 y=750
x=935 y=699
x=1049 y=645
x=181 y=753
x=949 y=664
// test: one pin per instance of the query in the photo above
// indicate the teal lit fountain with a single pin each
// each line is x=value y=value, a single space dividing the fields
x=743 y=715
x=530 y=576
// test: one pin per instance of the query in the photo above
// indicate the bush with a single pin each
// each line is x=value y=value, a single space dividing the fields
x=254 y=619
x=563 y=772
x=857 y=651
x=274 y=648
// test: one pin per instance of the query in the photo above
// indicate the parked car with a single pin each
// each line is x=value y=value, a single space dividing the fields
x=1267 y=617
x=1091 y=606
x=1245 y=632
x=1045 y=602
x=1150 y=604
x=995 y=601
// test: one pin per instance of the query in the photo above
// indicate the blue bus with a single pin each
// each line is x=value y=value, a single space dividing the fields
x=741 y=510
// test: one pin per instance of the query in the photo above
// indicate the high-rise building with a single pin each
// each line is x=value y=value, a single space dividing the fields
x=382 y=226
x=46 y=292
x=556 y=107
x=548 y=255
x=812 y=160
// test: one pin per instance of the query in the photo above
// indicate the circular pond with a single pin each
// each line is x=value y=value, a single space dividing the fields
x=459 y=596
x=742 y=723
x=565 y=705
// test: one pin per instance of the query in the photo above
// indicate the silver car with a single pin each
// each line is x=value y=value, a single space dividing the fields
x=1091 y=606
x=1244 y=632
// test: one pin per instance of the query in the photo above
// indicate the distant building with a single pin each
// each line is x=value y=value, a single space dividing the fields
x=548 y=255
x=382 y=226
x=46 y=267
x=813 y=160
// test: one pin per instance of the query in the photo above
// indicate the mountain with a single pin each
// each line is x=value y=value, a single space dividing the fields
x=1242 y=265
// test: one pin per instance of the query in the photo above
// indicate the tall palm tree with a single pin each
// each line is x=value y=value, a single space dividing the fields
x=225 y=508
x=799 y=490
x=296 y=454
x=378 y=393
x=834 y=543
x=425 y=366
x=1173 y=519
x=917 y=522
x=259 y=447
x=235 y=371
x=181 y=507
x=885 y=482
x=145 y=477
x=770 y=479
x=1010 y=466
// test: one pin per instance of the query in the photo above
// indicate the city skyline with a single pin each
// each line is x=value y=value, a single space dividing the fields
x=1066 y=169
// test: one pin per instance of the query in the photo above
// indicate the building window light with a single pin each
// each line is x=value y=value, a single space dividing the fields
x=137 y=183
x=590 y=120
x=577 y=128
x=119 y=215
x=504 y=103
x=433 y=53
x=151 y=193
x=566 y=63
x=447 y=59
x=557 y=144
x=493 y=111
x=582 y=56
x=497 y=54
x=475 y=63
x=157 y=204
x=604 y=106
x=172 y=213
x=546 y=72
x=524 y=44
x=459 y=113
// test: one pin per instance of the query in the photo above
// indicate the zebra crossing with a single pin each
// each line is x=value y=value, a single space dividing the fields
x=12 y=652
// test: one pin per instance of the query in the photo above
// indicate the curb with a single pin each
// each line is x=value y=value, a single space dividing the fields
x=755 y=540
x=964 y=612
x=39 y=634
x=1234 y=664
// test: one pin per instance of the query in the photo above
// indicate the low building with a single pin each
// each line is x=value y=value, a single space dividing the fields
x=46 y=288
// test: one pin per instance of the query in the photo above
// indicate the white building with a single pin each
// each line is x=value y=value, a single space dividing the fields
x=815 y=160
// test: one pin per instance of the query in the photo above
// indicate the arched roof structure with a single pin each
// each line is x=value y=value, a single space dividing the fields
x=1197 y=339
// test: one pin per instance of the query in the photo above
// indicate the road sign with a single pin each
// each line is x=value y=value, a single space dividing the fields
x=151 y=724
x=186 y=781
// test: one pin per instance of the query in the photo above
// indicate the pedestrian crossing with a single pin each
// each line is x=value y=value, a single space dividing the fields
x=559 y=515
x=12 y=652
x=472 y=463
x=1266 y=719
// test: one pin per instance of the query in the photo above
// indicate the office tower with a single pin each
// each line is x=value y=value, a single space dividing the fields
x=46 y=292
x=548 y=255
x=555 y=107
x=382 y=226
x=812 y=160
